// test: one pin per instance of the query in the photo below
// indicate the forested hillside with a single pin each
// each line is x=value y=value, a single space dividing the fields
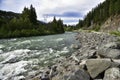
x=97 y=16
x=7 y=16
x=26 y=24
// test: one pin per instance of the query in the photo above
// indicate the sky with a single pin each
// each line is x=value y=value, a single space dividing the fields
x=70 y=11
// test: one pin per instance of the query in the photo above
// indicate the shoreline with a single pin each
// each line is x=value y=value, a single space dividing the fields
x=92 y=60
x=87 y=59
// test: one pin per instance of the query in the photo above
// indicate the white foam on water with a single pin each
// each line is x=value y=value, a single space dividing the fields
x=51 y=50
x=19 y=78
x=37 y=40
x=1 y=46
x=1 y=65
x=11 y=57
x=14 y=61
x=38 y=53
x=13 y=54
x=23 y=42
x=59 y=39
x=57 y=55
x=46 y=62
x=65 y=50
x=34 y=62
x=11 y=70
x=26 y=41
x=1 y=51
x=12 y=39
x=43 y=58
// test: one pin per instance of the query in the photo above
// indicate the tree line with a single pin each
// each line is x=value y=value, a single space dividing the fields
x=26 y=24
x=98 y=15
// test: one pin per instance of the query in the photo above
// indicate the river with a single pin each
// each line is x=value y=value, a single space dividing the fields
x=20 y=56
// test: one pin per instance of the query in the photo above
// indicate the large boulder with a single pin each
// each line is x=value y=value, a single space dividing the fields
x=115 y=63
x=71 y=72
x=113 y=45
x=78 y=75
x=86 y=54
x=112 y=74
x=97 y=66
x=110 y=50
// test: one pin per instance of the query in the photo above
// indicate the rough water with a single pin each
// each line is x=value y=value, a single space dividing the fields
x=24 y=56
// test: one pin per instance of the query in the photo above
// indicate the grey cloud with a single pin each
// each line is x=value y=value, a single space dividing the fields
x=65 y=14
x=60 y=8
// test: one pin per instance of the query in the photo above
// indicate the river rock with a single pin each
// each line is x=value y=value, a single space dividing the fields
x=113 y=45
x=44 y=76
x=82 y=64
x=70 y=71
x=75 y=46
x=19 y=78
x=112 y=74
x=116 y=61
x=97 y=66
x=78 y=75
x=94 y=39
x=86 y=53
x=110 y=50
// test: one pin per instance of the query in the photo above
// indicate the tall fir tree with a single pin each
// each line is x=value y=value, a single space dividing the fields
x=33 y=16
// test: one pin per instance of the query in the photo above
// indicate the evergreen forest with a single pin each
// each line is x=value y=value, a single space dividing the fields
x=26 y=24
x=98 y=15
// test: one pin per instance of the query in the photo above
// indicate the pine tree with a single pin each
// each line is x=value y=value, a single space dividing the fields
x=117 y=6
x=33 y=16
x=60 y=26
x=30 y=13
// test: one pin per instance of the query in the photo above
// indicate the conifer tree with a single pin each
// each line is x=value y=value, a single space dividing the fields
x=33 y=16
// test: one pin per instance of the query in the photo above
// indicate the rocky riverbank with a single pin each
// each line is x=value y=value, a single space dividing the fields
x=97 y=57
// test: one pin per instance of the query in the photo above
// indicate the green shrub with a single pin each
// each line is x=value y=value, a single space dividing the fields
x=117 y=33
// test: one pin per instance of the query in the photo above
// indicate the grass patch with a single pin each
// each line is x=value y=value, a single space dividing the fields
x=117 y=33
x=96 y=28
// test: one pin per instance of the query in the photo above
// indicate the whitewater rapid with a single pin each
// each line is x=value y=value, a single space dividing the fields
x=25 y=56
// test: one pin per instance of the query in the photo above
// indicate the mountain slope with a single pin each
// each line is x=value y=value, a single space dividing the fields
x=111 y=24
x=7 y=16
x=98 y=16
